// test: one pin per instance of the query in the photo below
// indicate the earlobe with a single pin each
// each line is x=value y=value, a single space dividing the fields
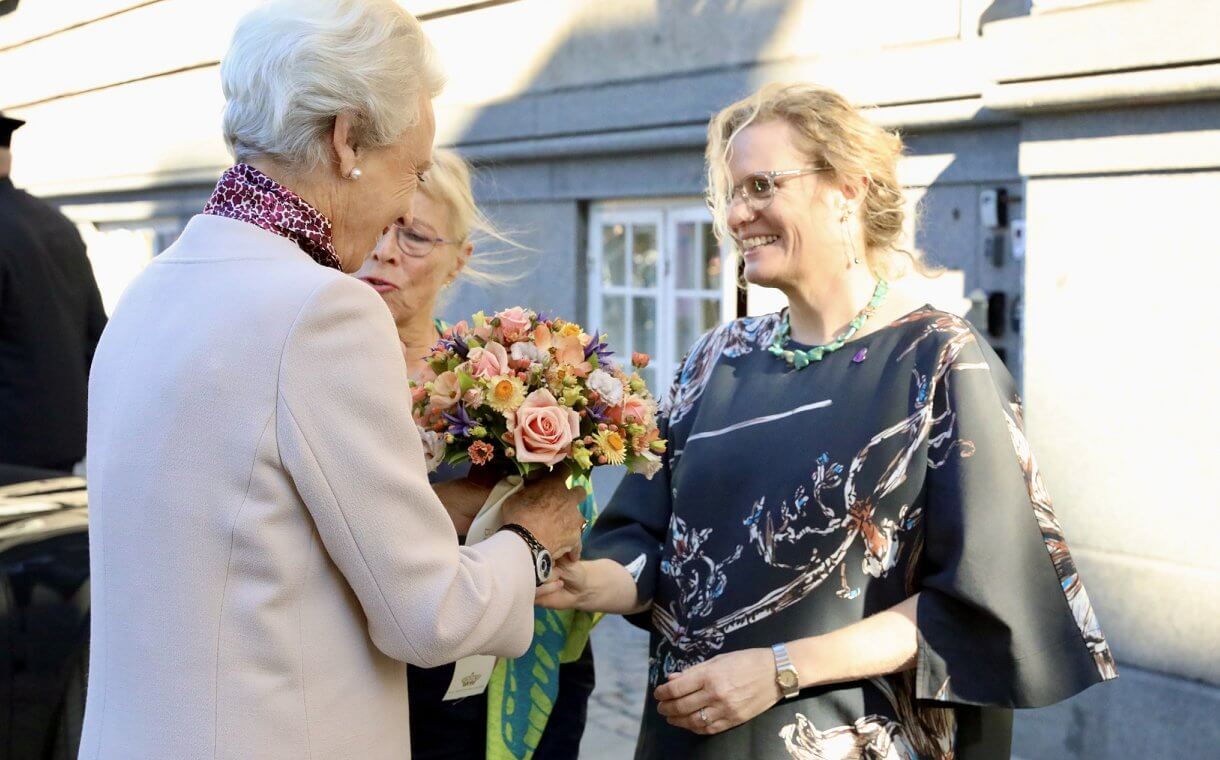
x=345 y=152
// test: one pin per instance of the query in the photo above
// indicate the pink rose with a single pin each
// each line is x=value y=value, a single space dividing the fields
x=633 y=410
x=543 y=430
x=488 y=361
x=446 y=390
x=514 y=324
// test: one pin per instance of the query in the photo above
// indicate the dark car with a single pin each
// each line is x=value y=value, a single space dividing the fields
x=44 y=613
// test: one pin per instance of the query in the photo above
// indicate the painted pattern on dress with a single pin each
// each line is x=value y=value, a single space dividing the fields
x=1065 y=566
x=737 y=338
x=852 y=517
x=778 y=533
x=247 y=195
x=872 y=737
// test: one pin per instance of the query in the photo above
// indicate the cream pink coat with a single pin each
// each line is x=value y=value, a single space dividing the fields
x=266 y=551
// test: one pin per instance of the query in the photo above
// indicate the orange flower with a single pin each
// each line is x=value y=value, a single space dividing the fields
x=481 y=452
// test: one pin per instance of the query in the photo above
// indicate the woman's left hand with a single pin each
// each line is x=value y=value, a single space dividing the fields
x=730 y=688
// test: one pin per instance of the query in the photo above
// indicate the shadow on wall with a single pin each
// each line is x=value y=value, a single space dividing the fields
x=616 y=110
x=1002 y=9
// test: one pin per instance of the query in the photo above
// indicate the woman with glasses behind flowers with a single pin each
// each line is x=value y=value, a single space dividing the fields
x=849 y=551
x=411 y=267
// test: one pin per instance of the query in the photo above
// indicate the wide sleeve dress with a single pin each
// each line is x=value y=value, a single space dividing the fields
x=794 y=503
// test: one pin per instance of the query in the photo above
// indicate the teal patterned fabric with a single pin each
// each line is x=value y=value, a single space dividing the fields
x=522 y=692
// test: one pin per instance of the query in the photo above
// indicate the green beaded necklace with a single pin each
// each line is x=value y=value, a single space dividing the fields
x=801 y=358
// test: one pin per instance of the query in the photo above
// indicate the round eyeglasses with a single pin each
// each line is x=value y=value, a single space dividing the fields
x=415 y=243
x=758 y=189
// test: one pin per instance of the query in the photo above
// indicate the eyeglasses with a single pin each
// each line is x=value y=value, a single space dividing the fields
x=416 y=244
x=758 y=189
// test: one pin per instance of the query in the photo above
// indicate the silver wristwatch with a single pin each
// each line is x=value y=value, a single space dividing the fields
x=785 y=672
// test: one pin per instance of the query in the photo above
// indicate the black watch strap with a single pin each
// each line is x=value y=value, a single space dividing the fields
x=543 y=563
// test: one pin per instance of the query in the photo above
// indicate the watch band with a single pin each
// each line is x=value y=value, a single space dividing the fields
x=542 y=557
x=786 y=676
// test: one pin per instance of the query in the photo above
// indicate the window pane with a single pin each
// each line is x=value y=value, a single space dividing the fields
x=711 y=264
x=649 y=374
x=711 y=313
x=692 y=318
x=684 y=256
x=644 y=255
x=614 y=261
x=614 y=324
x=644 y=325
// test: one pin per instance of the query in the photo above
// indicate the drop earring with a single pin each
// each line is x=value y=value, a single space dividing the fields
x=849 y=240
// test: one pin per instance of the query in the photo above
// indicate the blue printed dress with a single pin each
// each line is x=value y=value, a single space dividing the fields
x=793 y=503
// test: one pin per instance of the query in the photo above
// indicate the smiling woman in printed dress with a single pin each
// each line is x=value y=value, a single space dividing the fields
x=849 y=551
x=411 y=267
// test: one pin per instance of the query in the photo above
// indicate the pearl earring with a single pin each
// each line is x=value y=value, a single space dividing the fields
x=355 y=173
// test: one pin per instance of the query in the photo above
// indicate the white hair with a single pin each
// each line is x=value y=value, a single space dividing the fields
x=294 y=65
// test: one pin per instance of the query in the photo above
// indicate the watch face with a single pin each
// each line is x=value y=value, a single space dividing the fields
x=787 y=679
x=543 y=565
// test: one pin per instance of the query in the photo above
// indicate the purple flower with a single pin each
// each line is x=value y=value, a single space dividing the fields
x=597 y=412
x=460 y=424
x=598 y=346
x=456 y=344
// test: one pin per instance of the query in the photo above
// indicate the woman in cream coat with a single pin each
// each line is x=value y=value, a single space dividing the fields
x=265 y=547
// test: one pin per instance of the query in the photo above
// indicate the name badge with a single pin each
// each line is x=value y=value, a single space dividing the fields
x=470 y=676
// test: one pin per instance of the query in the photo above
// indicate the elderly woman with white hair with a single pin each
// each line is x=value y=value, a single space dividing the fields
x=265 y=548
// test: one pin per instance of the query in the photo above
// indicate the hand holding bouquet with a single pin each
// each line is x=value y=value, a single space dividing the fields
x=518 y=393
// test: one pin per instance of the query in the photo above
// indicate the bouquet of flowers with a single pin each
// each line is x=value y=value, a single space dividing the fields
x=519 y=392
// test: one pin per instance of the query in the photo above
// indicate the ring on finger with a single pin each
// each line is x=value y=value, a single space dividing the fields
x=703 y=714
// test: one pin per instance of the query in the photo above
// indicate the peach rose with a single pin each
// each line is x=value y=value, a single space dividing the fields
x=514 y=323
x=633 y=410
x=488 y=361
x=446 y=390
x=543 y=430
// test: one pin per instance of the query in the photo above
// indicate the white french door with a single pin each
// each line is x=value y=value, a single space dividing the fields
x=658 y=280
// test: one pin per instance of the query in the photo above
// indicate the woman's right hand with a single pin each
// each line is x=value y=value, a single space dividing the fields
x=597 y=585
x=569 y=587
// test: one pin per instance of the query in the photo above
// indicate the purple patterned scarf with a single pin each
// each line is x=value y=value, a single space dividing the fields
x=247 y=195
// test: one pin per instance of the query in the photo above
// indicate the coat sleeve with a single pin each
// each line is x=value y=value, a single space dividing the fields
x=1003 y=617
x=632 y=527
x=348 y=441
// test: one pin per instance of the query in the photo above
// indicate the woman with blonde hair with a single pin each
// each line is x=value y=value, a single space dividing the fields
x=535 y=705
x=850 y=551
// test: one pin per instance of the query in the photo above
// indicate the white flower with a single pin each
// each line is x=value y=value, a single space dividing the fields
x=526 y=350
x=646 y=464
x=607 y=386
x=434 y=448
